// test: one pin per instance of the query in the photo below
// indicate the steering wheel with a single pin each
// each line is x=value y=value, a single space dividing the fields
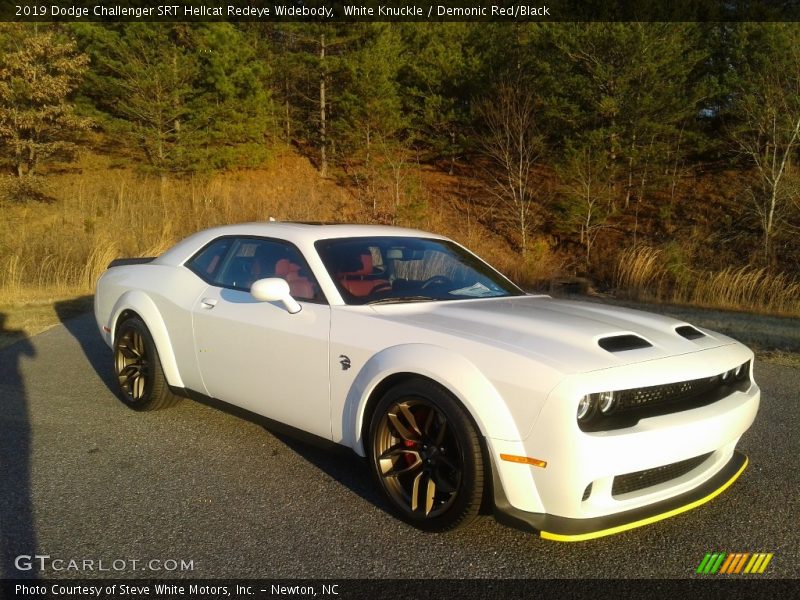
x=435 y=280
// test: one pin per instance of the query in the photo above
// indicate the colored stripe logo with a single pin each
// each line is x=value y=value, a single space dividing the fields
x=734 y=563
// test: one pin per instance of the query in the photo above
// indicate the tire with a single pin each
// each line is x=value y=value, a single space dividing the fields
x=142 y=385
x=425 y=455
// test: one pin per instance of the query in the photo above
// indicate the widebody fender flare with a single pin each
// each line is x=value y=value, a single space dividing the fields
x=140 y=303
x=450 y=370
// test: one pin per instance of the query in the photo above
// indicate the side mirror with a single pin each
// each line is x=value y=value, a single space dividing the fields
x=275 y=289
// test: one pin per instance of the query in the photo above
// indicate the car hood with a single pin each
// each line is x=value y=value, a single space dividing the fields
x=564 y=334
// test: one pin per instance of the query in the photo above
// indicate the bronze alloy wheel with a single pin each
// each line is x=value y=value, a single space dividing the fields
x=426 y=457
x=141 y=380
x=132 y=365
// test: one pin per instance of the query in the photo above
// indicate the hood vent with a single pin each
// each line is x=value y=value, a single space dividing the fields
x=689 y=332
x=620 y=343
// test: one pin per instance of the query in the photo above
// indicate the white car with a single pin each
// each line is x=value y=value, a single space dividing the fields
x=573 y=420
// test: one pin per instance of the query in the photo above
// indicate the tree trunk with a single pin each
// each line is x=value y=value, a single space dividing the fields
x=323 y=159
x=287 y=111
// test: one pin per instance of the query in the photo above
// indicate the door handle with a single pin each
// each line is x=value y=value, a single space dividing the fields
x=208 y=302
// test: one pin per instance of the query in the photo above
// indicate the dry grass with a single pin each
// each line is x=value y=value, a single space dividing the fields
x=786 y=359
x=52 y=252
x=642 y=275
x=38 y=313
x=639 y=273
x=748 y=287
x=102 y=212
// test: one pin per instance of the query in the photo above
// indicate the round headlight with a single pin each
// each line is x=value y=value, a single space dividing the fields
x=607 y=401
x=585 y=406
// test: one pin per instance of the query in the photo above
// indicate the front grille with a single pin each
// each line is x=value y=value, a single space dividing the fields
x=667 y=393
x=632 y=482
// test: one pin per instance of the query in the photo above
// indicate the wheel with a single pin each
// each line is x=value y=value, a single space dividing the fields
x=141 y=380
x=426 y=456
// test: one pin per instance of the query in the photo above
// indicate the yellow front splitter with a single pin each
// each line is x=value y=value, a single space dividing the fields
x=579 y=537
x=564 y=529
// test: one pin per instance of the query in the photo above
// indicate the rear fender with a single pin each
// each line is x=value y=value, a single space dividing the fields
x=140 y=303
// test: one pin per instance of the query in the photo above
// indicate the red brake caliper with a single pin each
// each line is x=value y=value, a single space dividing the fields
x=409 y=457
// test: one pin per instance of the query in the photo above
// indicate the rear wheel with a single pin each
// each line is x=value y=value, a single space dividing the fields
x=142 y=385
x=426 y=456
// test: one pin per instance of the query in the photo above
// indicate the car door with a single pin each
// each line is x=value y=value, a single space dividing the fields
x=256 y=354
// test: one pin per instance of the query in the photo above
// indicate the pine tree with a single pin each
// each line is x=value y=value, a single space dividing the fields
x=627 y=97
x=368 y=103
x=438 y=85
x=189 y=97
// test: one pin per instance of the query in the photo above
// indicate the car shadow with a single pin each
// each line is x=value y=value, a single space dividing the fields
x=82 y=326
x=339 y=463
x=336 y=461
x=17 y=524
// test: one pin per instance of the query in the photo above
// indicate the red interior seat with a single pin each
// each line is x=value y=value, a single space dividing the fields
x=299 y=286
x=362 y=281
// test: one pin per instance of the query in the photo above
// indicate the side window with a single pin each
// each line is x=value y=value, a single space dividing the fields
x=207 y=263
x=251 y=259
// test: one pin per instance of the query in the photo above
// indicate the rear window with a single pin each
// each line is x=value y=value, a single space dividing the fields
x=206 y=264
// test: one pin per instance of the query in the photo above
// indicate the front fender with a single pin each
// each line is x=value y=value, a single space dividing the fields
x=140 y=303
x=454 y=372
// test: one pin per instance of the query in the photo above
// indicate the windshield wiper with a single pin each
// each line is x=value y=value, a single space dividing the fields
x=401 y=299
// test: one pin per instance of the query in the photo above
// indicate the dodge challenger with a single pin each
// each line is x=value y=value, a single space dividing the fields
x=569 y=419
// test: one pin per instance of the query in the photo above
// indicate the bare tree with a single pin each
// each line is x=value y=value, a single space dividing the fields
x=769 y=138
x=513 y=145
x=152 y=83
x=323 y=139
x=587 y=191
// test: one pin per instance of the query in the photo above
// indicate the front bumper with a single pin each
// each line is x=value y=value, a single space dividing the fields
x=585 y=484
x=564 y=529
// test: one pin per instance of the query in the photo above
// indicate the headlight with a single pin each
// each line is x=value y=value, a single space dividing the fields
x=607 y=401
x=585 y=406
x=590 y=403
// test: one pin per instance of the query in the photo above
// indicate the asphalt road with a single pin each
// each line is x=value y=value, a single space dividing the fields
x=82 y=477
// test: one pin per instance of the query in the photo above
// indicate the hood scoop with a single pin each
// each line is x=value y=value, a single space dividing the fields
x=620 y=343
x=689 y=332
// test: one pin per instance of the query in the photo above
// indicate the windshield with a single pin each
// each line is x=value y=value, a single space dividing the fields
x=404 y=269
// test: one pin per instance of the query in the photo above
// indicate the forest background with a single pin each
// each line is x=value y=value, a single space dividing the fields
x=654 y=161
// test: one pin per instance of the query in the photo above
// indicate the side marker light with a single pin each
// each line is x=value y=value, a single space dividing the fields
x=526 y=460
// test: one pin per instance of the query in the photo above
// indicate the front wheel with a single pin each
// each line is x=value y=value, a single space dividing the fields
x=142 y=385
x=426 y=456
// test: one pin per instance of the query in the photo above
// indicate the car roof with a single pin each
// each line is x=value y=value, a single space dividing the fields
x=302 y=235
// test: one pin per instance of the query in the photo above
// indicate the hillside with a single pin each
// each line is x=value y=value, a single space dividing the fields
x=99 y=210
